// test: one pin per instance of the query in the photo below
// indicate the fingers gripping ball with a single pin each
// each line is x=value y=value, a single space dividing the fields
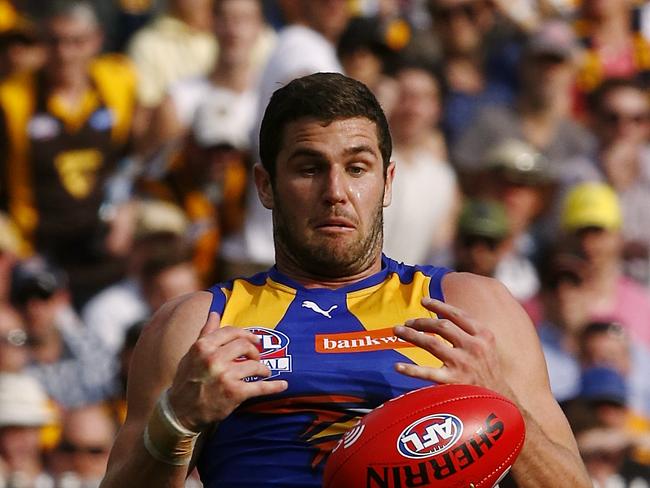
x=439 y=436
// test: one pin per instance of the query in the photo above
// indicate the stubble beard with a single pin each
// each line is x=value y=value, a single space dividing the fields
x=324 y=256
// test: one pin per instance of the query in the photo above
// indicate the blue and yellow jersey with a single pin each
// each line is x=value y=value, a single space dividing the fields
x=337 y=351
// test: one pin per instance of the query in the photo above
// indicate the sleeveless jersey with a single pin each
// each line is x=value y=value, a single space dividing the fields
x=337 y=351
x=57 y=161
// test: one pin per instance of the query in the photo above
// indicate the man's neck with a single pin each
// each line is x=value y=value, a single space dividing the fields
x=314 y=280
x=235 y=76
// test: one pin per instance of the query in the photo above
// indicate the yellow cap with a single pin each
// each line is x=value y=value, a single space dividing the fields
x=591 y=205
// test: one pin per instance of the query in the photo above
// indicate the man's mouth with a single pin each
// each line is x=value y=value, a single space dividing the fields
x=335 y=224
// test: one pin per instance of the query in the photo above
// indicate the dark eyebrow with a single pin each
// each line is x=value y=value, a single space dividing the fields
x=314 y=154
x=306 y=152
x=363 y=148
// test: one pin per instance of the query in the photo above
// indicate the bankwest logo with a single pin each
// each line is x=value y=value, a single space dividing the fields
x=364 y=341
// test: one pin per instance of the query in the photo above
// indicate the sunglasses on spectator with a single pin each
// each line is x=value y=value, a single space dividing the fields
x=14 y=337
x=472 y=240
x=614 y=118
x=596 y=328
x=72 y=448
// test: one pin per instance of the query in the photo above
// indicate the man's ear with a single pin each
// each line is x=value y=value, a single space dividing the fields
x=263 y=184
x=388 y=184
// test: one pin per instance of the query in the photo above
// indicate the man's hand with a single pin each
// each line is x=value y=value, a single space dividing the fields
x=473 y=359
x=210 y=384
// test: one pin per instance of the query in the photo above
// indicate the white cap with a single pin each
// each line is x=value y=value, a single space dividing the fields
x=160 y=216
x=23 y=401
x=224 y=117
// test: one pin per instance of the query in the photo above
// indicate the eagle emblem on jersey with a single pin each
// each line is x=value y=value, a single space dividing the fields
x=332 y=416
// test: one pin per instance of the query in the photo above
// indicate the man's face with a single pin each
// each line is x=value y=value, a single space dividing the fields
x=461 y=23
x=607 y=349
x=238 y=24
x=329 y=17
x=328 y=196
x=600 y=246
x=547 y=76
x=171 y=283
x=477 y=254
x=418 y=106
x=624 y=116
x=72 y=42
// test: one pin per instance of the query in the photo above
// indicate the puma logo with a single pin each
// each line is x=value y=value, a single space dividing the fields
x=314 y=306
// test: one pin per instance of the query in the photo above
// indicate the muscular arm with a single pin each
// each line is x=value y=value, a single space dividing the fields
x=164 y=341
x=495 y=346
x=203 y=364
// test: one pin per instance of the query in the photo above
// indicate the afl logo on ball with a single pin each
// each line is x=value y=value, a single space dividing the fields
x=429 y=436
x=274 y=351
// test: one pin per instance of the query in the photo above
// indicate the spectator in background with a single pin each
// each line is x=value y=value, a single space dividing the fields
x=111 y=311
x=69 y=361
x=607 y=344
x=213 y=117
x=462 y=27
x=419 y=223
x=13 y=340
x=482 y=230
x=176 y=44
x=161 y=267
x=366 y=56
x=604 y=391
x=591 y=217
x=541 y=115
x=62 y=131
x=23 y=412
x=230 y=88
x=620 y=117
x=81 y=456
x=516 y=174
x=615 y=48
x=168 y=275
x=562 y=319
x=307 y=45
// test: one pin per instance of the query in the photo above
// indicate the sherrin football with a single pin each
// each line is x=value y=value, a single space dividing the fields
x=439 y=436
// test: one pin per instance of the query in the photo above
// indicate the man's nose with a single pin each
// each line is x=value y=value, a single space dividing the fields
x=334 y=190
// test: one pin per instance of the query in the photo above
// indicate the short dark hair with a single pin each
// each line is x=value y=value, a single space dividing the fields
x=325 y=97
x=164 y=250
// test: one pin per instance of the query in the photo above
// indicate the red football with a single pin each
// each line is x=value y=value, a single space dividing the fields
x=439 y=436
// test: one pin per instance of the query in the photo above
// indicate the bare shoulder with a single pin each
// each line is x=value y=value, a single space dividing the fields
x=490 y=303
x=184 y=315
x=164 y=341
x=480 y=295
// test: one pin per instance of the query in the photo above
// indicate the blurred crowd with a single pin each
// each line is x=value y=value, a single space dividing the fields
x=521 y=133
